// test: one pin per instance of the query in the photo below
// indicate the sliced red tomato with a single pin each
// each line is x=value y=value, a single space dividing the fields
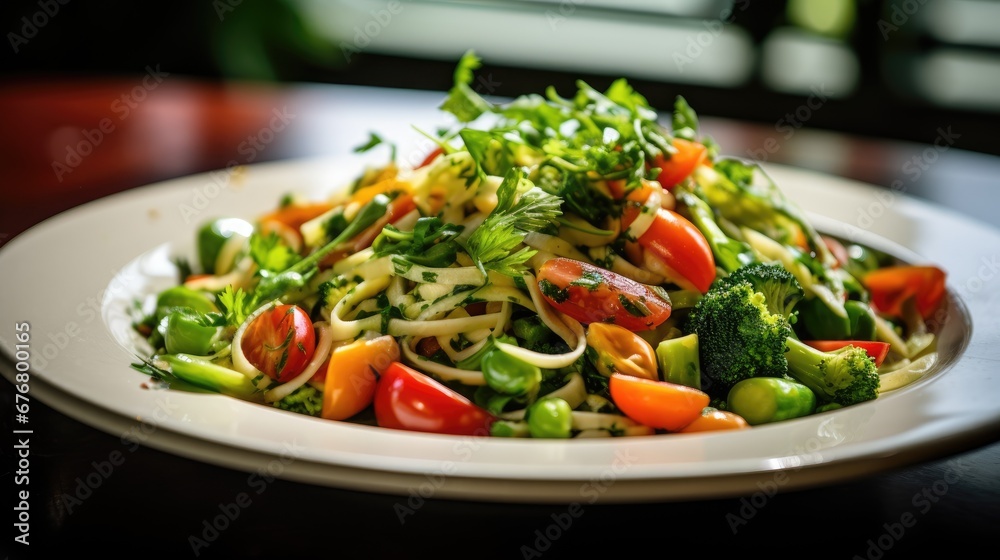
x=431 y=157
x=406 y=399
x=280 y=342
x=876 y=349
x=891 y=286
x=837 y=248
x=591 y=294
x=678 y=166
x=680 y=246
x=657 y=404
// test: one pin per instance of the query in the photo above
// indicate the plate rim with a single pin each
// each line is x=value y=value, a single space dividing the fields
x=559 y=474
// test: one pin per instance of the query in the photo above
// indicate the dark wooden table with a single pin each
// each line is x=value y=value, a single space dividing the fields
x=68 y=142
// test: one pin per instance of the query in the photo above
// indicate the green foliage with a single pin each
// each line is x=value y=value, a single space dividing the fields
x=235 y=305
x=304 y=400
x=462 y=101
x=491 y=246
x=270 y=253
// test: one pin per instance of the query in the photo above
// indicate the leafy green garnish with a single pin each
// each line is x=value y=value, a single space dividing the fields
x=463 y=101
x=270 y=253
x=491 y=245
x=685 y=120
x=376 y=140
x=235 y=305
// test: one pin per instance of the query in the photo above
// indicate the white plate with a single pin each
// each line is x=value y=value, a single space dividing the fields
x=73 y=276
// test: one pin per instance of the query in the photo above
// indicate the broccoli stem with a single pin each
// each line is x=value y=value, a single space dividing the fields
x=846 y=376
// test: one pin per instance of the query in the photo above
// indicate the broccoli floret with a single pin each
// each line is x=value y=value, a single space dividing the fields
x=781 y=290
x=304 y=400
x=845 y=376
x=738 y=337
x=333 y=290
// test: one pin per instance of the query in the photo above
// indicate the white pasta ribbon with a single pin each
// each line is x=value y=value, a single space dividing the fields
x=646 y=215
x=446 y=373
x=555 y=245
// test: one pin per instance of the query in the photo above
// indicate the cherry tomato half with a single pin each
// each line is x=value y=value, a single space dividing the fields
x=406 y=399
x=591 y=294
x=430 y=157
x=681 y=164
x=683 y=250
x=280 y=342
x=657 y=404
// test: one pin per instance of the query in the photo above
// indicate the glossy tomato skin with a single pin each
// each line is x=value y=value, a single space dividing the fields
x=680 y=165
x=280 y=342
x=658 y=404
x=891 y=286
x=679 y=244
x=591 y=294
x=406 y=399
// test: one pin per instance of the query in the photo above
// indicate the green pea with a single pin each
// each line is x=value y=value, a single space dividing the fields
x=760 y=400
x=508 y=374
x=187 y=333
x=550 y=417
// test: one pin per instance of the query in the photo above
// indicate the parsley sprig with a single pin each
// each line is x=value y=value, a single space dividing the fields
x=521 y=208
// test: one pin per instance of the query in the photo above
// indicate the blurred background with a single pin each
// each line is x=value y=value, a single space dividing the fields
x=890 y=68
x=914 y=71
